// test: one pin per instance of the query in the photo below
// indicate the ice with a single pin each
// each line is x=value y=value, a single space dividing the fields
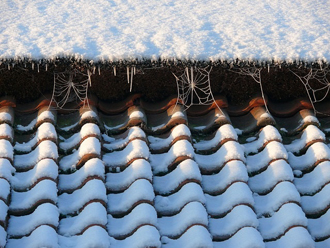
x=45 y=214
x=142 y=214
x=89 y=129
x=93 y=214
x=92 y=190
x=316 y=152
x=289 y=215
x=225 y=132
x=139 y=168
x=133 y=133
x=6 y=150
x=273 y=151
x=311 y=133
x=159 y=143
x=46 y=149
x=90 y=146
x=135 y=149
x=175 y=226
x=140 y=190
x=196 y=236
x=186 y=170
x=46 y=168
x=173 y=203
x=267 y=134
x=93 y=167
x=238 y=217
x=43 y=116
x=160 y=162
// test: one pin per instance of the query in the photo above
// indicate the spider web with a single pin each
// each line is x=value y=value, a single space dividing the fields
x=193 y=87
x=315 y=94
x=70 y=86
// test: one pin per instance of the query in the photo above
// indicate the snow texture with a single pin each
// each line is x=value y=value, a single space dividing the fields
x=320 y=227
x=43 y=116
x=6 y=131
x=6 y=150
x=318 y=202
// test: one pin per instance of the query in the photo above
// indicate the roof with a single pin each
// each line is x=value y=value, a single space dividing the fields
x=168 y=30
x=150 y=175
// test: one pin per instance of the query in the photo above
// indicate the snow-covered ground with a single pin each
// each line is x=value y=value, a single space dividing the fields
x=170 y=29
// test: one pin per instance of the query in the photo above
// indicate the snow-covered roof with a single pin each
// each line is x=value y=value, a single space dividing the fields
x=195 y=30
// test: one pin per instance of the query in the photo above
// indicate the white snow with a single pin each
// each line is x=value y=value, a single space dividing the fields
x=310 y=134
x=174 y=203
x=93 y=167
x=186 y=170
x=6 y=169
x=238 y=217
x=318 y=202
x=90 y=146
x=6 y=131
x=3 y=210
x=267 y=134
x=320 y=227
x=43 y=236
x=93 y=214
x=6 y=150
x=316 y=152
x=45 y=214
x=140 y=168
x=43 y=116
x=5 y=189
x=142 y=214
x=89 y=129
x=92 y=190
x=44 y=168
x=177 y=131
x=3 y=236
x=272 y=151
x=5 y=116
x=245 y=238
x=134 y=149
x=224 y=132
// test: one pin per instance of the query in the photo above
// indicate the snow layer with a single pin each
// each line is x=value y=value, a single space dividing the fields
x=199 y=30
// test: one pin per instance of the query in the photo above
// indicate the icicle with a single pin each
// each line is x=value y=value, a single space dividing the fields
x=89 y=77
x=32 y=66
x=38 y=67
x=134 y=70
x=130 y=89
x=46 y=66
x=114 y=71
x=127 y=70
x=99 y=69
x=8 y=67
x=268 y=67
x=94 y=68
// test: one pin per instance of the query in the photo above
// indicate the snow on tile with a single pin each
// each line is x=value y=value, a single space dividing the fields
x=159 y=143
x=45 y=131
x=43 y=116
x=175 y=226
x=272 y=151
x=230 y=150
x=6 y=131
x=318 y=202
x=6 y=116
x=4 y=189
x=44 y=190
x=322 y=244
x=267 y=134
x=71 y=203
x=166 y=205
x=289 y=215
x=46 y=149
x=142 y=214
x=245 y=238
x=145 y=236
x=284 y=192
x=276 y=171
x=3 y=211
x=135 y=149
x=6 y=169
x=225 y=132
x=196 y=236
x=94 y=236
x=114 y=144
x=93 y=214
x=90 y=146
x=316 y=152
x=312 y=182
x=140 y=190
x=88 y=129
x=297 y=237
x=311 y=133
x=233 y=171
x=44 y=214
x=237 y=193
x=239 y=217
x=43 y=236
x=93 y=167
x=3 y=236
x=6 y=150
x=160 y=162
x=138 y=169
x=320 y=227
x=186 y=170
x=46 y=168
